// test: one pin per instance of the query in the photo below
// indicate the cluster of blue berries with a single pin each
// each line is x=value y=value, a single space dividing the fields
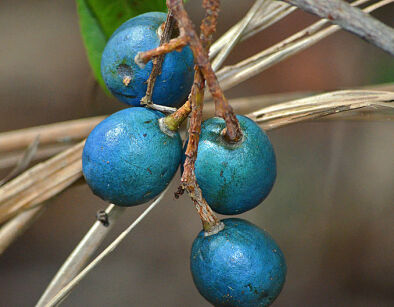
x=128 y=159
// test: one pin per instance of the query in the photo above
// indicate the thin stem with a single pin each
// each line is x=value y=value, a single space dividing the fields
x=158 y=60
x=286 y=113
x=263 y=19
x=60 y=132
x=40 y=182
x=351 y=19
x=175 y=44
x=189 y=182
x=233 y=75
x=220 y=58
x=223 y=109
x=156 y=67
x=211 y=224
x=62 y=294
x=81 y=254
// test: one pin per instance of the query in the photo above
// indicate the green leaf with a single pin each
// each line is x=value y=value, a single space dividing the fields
x=98 y=19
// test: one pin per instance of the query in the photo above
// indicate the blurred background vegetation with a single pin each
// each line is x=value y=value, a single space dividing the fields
x=331 y=209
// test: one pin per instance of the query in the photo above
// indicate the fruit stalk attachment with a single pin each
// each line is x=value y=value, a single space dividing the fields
x=233 y=132
x=211 y=224
x=157 y=62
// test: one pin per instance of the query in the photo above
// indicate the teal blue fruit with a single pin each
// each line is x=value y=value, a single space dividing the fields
x=127 y=160
x=127 y=81
x=234 y=178
x=239 y=266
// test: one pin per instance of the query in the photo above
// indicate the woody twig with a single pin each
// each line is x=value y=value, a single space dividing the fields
x=233 y=133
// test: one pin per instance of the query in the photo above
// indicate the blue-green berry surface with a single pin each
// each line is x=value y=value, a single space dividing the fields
x=139 y=34
x=239 y=266
x=127 y=160
x=234 y=178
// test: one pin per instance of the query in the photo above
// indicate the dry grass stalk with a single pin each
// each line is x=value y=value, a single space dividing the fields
x=233 y=75
x=282 y=114
x=243 y=105
x=81 y=253
x=62 y=132
x=259 y=5
x=63 y=293
x=264 y=18
x=351 y=19
x=40 y=182
x=10 y=159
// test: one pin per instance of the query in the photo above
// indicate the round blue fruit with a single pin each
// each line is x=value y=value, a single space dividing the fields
x=127 y=81
x=234 y=178
x=127 y=160
x=239 y=266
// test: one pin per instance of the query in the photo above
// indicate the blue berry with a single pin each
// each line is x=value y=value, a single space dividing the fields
x=127 y=160
x=234 y=178
x=239 y=266
x=127 y=81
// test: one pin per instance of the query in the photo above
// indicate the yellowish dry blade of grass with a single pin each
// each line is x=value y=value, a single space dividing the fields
x=40 y=182
x=282 y=114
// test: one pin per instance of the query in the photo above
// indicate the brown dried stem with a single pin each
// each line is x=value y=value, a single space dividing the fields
x=175 y=44
x=157 y=62
x=211 y=224
x=223 y=109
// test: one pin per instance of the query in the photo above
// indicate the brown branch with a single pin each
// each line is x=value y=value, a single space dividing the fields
x=211 y=224
x=158 y=60
x=175 y=44
x=223 y=109
x=351 y=19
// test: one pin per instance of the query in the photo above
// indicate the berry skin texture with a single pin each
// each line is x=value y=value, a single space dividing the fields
x=239 y=266
x=127 y=81
x=234 y=178
x=127 y=160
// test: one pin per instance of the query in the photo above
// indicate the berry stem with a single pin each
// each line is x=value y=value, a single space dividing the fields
x=158 y=60
x=174 y=120
x=233 y=132
x=211 y=224
x=209 y=220
x=188 y=35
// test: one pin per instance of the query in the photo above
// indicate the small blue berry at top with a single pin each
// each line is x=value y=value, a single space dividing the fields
x=127 y=160
x=234 y=178
x=127 y=81
x=239 y=266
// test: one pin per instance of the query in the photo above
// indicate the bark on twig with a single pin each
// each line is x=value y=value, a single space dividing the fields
x=186 y=27
x=351 y=19
x=211 y=224
x=158 y=61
